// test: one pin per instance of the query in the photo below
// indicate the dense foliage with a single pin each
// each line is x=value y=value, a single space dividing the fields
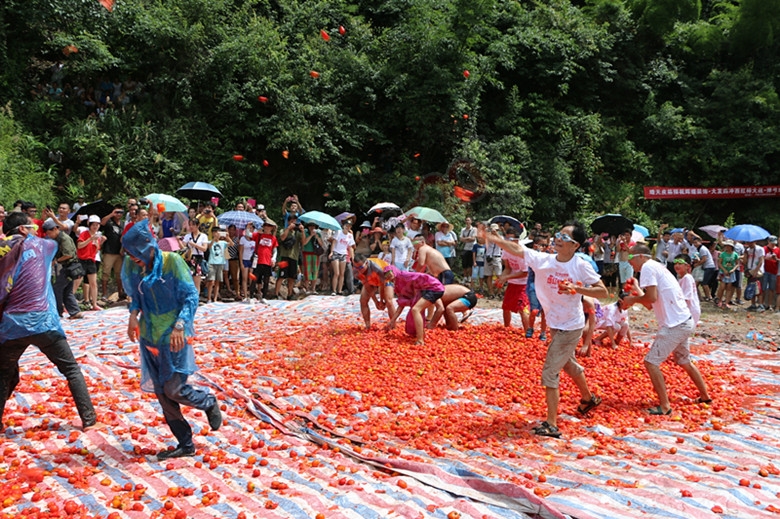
x=542 y=109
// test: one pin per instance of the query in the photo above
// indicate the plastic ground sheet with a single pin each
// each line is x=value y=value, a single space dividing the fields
x=325 y=419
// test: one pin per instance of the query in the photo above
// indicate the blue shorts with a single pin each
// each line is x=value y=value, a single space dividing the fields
x=469 y=299
x=447 y=277
x=247 y=263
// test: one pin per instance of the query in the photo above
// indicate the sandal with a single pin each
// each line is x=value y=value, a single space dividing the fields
x=700 y=400
x=588 y=404
x=545 y=429
x=657 y=411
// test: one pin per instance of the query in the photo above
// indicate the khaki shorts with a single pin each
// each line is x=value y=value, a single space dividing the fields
x=112 y=262
x=560 y=356
x=670 y=341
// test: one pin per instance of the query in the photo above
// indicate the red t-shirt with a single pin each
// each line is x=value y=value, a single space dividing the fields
x=266 y=243
x=770 y=265
x=89 y=251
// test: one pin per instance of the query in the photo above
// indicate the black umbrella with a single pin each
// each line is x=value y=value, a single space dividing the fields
x=198 y=191
x=98 y=207
x=612 y=224
x=502 y=219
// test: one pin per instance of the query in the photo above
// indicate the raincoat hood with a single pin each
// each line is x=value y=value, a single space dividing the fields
x=140 y=243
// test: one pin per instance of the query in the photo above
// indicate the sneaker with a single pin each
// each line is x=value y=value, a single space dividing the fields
x=751 y=308
x=333 y=293
x=79 y=315
x=529 y=333
x=263 y=301
x=542 y=336
x=761 y=308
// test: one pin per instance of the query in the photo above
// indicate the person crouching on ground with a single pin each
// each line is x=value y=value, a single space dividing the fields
x=162 y=311
x=660 y=291
x=419 y=290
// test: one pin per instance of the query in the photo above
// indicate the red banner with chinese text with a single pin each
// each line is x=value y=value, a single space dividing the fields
x=669 y=193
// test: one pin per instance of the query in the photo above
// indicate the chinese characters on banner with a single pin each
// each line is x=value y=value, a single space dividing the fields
x=668 y=193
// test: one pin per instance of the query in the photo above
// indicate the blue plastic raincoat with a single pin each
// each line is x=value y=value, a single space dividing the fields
x=27 y=296
x=164 y=292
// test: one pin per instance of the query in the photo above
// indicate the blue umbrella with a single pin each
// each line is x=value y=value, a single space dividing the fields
x=746 y=232
x=239 y=219
x=198 y=191
x=320 y=219
x=641 y=229
x=172 y=204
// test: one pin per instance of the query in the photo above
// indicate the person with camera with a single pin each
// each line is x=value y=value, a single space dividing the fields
x=207 y=222
x=290 y=243
x=66 y=268
x=29 y=316
x=291 y=207
x=111 y=252
x=89 y=243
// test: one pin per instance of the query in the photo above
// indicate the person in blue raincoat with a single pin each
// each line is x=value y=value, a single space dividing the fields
x=28 y=313
x=162 y=312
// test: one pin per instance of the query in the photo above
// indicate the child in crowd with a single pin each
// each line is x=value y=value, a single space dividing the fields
x=610 y=320
x=266 y=245
x=217 y=261
x=683 y=267
x=386 y=255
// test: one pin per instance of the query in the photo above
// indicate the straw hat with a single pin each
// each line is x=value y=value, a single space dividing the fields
x=442 y=224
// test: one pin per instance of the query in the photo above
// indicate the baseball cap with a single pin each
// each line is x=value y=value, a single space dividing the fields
x=773 y=239
x=260 y=207
x=93 y=218
x=49 y=224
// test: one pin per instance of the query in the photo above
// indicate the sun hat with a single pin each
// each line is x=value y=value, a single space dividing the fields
x=728 y=243
x=378 y=229
x=442 y=224
x=93 y=218
x=365 y=223
x=270 y=222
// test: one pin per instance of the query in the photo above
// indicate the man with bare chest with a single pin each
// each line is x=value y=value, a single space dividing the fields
x=432 y=260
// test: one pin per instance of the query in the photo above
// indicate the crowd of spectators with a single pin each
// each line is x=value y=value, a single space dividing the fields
x=95 y=96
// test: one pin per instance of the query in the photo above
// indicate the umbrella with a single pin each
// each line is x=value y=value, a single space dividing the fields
x=511 y=220
x=172 y=204
x=746 y=232
x=385 y=209
x=612 y=224
x=323 y=220
x=344 y=216
x=198 y=191
x=239 y=219
x=426 y=214
x=641 y=229
x=168 y=244
x=713 y=230
x=637 y=236
x=98 y=207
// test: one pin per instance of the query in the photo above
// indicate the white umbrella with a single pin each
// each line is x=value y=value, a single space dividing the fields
x=713 y=230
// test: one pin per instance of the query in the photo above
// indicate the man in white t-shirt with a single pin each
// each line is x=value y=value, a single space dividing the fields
x=659 y=290
x=561 y=281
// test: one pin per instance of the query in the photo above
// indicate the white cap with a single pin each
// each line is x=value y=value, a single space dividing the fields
x=93 y=218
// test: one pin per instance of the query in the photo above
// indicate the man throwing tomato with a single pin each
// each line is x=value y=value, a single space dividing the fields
x=561 y=281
